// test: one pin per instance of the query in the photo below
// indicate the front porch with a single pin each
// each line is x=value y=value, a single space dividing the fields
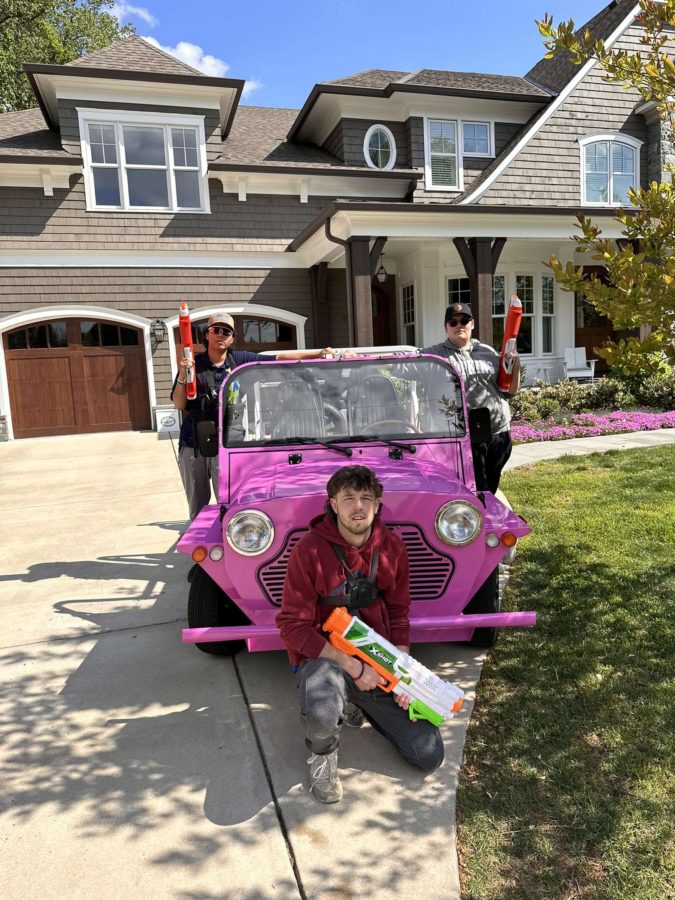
x=402 y=266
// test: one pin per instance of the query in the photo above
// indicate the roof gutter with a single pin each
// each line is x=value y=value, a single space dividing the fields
x=402 y=88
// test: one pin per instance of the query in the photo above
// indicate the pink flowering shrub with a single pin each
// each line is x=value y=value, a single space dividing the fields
x=589 y=425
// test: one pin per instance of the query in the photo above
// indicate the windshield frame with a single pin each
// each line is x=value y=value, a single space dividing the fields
x=360 y=370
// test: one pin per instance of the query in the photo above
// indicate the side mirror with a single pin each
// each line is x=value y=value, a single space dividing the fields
x=480 y=429
x=207 y=438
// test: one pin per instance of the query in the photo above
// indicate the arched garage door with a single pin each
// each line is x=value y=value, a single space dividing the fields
x=254 y=333
x=76 y=376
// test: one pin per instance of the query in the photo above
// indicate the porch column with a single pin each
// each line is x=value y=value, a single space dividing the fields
x=358 y=272
x=480 y=257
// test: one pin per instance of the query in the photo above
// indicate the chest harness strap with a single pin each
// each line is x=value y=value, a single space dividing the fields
x=359 y=591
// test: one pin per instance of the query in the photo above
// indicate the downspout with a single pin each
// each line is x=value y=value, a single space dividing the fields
x=348 y=272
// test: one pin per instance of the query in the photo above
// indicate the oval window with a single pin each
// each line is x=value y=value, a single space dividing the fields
x=379 y=148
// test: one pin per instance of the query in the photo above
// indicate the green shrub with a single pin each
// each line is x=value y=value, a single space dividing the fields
x=548 y=407
x=609 y=393
x=546 y=400
x=655 y=392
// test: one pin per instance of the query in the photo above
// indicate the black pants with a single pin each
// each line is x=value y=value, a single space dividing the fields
x=490 y=459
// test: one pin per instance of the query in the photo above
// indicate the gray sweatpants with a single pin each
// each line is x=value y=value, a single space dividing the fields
x=198 y=473
x=324 y=691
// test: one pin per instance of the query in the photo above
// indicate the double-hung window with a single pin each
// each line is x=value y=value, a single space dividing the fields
x=442 y=155
x=610 y=165
x=547 y=314
x=144 y=162
x=525 y=290
x=408 y=298
x=498 y=309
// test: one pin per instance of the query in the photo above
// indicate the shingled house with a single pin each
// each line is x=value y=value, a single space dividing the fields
x=137 y=182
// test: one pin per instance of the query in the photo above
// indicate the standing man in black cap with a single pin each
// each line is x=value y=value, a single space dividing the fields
x=211 y=367
x=479 y=365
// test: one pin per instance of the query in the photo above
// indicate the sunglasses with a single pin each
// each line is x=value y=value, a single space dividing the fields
x=220 y=329
x=453 y=323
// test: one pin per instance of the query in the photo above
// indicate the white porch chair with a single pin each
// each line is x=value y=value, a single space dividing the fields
x=576 y=364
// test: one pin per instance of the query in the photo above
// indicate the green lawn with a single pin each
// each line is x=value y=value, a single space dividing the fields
x=568 y=784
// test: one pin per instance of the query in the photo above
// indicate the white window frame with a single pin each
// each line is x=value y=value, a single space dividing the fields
x=543 y=315
x=366 y=140
x=535 y=315
x=491 y=138
x=450 y=278
x=428 y=184
x=409 y=285
x=90 y=116
x=612 y=138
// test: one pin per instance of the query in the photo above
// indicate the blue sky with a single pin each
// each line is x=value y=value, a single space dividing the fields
x=283 y=49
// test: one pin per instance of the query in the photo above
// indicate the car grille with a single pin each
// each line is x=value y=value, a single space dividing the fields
x=430 y=570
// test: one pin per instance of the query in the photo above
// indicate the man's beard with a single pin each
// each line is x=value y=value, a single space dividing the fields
x=360 y=527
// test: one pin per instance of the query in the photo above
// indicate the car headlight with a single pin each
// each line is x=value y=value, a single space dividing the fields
x=250 y=532
x=458 y=523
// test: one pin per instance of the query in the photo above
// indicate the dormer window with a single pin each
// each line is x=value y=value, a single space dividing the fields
x=379 y=148
x=609 y=167
x=143 y=162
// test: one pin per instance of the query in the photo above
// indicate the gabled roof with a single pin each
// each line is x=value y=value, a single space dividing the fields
x=134 y=54
x=128 y=60
x=558 y=71
x=608 y=25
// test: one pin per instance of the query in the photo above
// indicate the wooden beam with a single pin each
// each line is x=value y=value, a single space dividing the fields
x=359 y=253
x=480 y=257
x=376 y=253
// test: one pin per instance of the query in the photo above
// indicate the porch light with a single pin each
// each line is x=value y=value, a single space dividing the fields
x=158 y=329
x=382 y=273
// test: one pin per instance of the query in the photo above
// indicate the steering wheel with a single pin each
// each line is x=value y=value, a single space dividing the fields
x=407 y=425
x=334 y=421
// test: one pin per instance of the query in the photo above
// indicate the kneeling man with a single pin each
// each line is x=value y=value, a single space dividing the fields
x=346 y=548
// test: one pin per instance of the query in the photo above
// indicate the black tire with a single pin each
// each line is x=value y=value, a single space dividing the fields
x=209 y=607
x=485 y=600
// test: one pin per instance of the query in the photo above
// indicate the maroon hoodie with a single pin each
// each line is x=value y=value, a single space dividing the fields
x=315 y=571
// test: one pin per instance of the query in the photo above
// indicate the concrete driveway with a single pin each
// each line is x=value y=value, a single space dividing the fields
x=135 y=766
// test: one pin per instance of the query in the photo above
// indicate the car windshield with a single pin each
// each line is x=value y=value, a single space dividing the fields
x=341 y=400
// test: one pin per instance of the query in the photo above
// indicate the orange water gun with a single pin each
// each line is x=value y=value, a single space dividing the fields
x=430 y=697
x=511 y=328
x=185 y=328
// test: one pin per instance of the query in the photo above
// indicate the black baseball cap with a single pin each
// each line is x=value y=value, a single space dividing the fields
x=457 y=309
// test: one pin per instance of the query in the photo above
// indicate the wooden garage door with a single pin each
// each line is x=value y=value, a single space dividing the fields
x=75 y=376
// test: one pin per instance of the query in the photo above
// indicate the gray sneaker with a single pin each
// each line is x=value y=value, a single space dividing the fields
x=324 y=781
x=353 y=717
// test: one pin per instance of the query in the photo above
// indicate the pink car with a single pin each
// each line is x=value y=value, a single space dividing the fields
x=284 y=428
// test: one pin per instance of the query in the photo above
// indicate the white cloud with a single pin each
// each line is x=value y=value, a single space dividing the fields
x=251 y=85
x=124 y=11
x=194 y=56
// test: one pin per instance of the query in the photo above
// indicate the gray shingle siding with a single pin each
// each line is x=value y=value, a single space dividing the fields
x=70 y=132
x=261 y=222
x=547 y=172
x=354 y=132
x=473 y=166
x=159 y=292
x=334 y=143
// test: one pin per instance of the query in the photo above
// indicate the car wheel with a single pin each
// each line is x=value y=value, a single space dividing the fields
x=485 y=600
x=209 y=607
